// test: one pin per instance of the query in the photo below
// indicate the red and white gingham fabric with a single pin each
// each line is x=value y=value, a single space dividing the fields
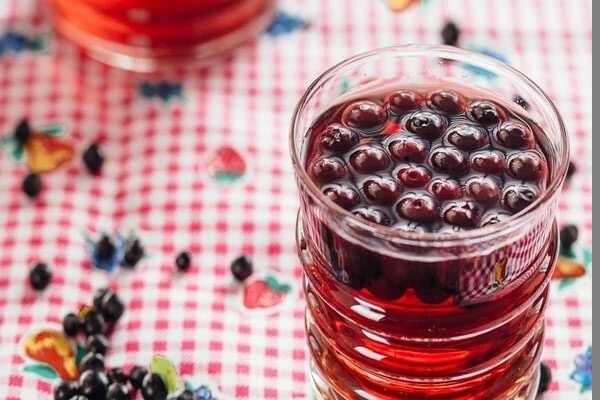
x=155 y=183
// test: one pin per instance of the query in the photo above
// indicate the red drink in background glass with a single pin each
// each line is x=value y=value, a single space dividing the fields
x=146 y=34
x=427 y=229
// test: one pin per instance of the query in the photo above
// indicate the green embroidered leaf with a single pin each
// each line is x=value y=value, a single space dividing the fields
x=344 y=86
x=80 y=353
x=568 y=253
x=8 y=141
x=38 y=43
x=226 y=177
x=18 y=153
x=54 y=130
x=587 y=257
x=187 y=385
x=565 y=283
x=275 y=285
x=42 y=370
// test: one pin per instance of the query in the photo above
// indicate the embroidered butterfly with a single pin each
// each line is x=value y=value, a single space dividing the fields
x=42 y=150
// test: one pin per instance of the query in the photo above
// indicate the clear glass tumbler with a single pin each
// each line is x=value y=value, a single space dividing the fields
x=145 y=35
x=403 y=315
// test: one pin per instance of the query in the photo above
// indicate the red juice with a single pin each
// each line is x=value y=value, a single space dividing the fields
x=422 y=277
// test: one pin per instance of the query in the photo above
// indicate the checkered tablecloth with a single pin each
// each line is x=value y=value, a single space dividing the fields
x=157 y=183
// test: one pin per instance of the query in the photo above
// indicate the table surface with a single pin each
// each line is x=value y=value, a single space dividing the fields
x=205 y=168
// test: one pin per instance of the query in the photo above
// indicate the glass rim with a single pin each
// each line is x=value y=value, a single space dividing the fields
x=434 y=239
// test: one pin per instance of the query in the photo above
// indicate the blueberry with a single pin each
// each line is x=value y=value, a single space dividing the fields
x=154 y=387
x=118 y=391
x=409 y=149
x=117 y=375
x=98 y=297
x=367 y=116
x=105 y=248
x=186 y=395
x=486 y=113
x=22 y=131
x=133 y=253
x=450 y=34
x=463 y=214
x=328 y=169
x=418 y=208
x=71 y=324
x=413 y=176
x=515 y=135
x=467 y=137
x=571 y=169
x=136 y=376
x=343 y=196
x=241 y=268
x=426 y=124
x=403 y=101
x=40 y=276
x=32 y=185
x=381 y=190
x=112 y=307
x=97 y=344
x=373 y=215
x=93 y=384
x=93 y=323
x=545 y=378
x=517 y=197
x=66 y=390
x=93 y=158
x=337 y=138
x=369 y=160
x=183 y=261
x=568 y=236
x=527 y=166
x=92 y=361
x=447 y=101
x=449 y=161
x=521 y=101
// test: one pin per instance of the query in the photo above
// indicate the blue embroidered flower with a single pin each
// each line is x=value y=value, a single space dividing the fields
x=16 y=43
x=484 y=73
x=583 y=370
x=164 y=90
x=285 y=23
x=204 y=393
x=107 y=264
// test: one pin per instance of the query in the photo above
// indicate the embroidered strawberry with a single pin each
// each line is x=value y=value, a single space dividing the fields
x=265 y=293
x=226 y=165
x=568 y=268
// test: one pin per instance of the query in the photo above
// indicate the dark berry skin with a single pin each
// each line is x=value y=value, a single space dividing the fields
x=22 y=131
x=79 y=397
x=467 y=137
x=447 y=101
x=517 y=197
x=92 y=361
x=568 y=236
x=241 y=268
x=545 y=378
x=449 y=161
x=117 y=375
x=521 y=101
x=418 y=208
x=413 y=176
x=97 y=344
x=343 y=196
x=183 y=261
x=40 y=276
x=366 y=116
x=98 y=297
x=403 y=101
x=328 y=169
x=93 y=323
x=381 y=190
x=486 y=113
x=93 y=384
x=527 y=166
x=514 y=135
x=337 y=138
x=369 y=160
x=426 y=124
x=71 y=324
x=445 y=189
x=66 y=390
x=488 y=162
x=187 y=395
x=463 y=214
x=154 y=387
x=136 y=376
x=105 y=248
x=133 y=253
x=571 y=169
x=93 y=158
x=32 y=185
x=450 y=34
x=372 y=215
x=112 y=307
x=118 y=391
x=409 y=149
x=484 y=190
